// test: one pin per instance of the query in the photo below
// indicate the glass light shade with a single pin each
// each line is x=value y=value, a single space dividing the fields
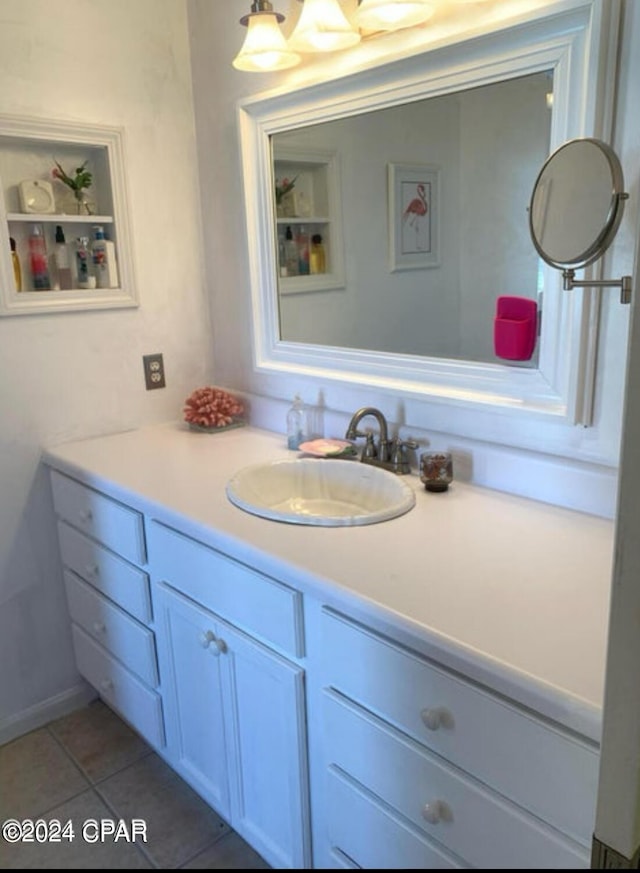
x=392 y=14
x=264 y=48
x=322 y=27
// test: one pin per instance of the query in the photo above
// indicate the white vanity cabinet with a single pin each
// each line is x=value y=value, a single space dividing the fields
x=340 y=706
x=236 y=722
x=421 y=758
x=103 y=552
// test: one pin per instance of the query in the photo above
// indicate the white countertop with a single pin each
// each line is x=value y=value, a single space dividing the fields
x=511 y=592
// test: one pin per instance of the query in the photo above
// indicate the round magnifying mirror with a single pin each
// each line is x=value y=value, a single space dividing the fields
x=577 y=204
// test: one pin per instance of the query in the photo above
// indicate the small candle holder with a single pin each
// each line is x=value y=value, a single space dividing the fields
x=436 y=470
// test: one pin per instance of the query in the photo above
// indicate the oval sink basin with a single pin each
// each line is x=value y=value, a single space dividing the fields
x=329 y=493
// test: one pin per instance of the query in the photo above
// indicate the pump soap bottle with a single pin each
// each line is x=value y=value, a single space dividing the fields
x=296 y=424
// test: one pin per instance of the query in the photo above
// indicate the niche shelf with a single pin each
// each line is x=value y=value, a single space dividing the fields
x=311 y=208
x=28 y=149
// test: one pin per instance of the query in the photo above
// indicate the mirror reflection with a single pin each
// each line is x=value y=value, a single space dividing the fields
x=424 y=283
x=577 y=203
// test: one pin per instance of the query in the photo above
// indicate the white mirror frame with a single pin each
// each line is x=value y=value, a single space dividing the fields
x=577 y=41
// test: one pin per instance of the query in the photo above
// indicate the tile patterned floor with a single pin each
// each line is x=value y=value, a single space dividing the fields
x=91 y=766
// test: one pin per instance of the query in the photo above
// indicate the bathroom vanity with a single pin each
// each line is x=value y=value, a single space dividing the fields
x=423 y=692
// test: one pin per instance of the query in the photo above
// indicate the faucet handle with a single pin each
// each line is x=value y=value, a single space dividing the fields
x=369 y=451
x=399 y=454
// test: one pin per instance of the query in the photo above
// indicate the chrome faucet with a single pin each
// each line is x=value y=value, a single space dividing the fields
x=391 y=455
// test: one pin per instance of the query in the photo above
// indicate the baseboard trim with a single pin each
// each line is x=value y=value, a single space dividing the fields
x=36 y=716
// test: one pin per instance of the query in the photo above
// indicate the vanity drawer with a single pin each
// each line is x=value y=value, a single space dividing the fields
x=549 y=772
x=374 y=837
x=117 y=579
x=247 y=599
x=112 y=523
x=472 y=821
x=131 y=642
x=137 y=704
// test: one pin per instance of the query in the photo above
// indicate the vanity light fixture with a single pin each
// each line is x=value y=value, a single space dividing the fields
x=393 y=14
x=322 y=27
x=265 y=47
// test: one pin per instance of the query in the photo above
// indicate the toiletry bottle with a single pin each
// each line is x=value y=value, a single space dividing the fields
x=291 y=252
x=62 y=261
x=103 y=253
x=317 y=259
x=83 y=260
x=282 y=256
x=296 y=424
x=38 y=260
x=17 y=269
x=302 y=242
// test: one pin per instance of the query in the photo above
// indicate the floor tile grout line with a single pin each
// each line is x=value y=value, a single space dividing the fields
x=210 y=845
x=94 y=782
x=93 y=785
x=97 y=788
x=112 y=809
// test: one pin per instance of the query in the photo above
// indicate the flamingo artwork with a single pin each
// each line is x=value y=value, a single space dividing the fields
x=415 y=219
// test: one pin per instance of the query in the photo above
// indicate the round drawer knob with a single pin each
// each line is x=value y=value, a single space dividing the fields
x=85 y=516
x=433 y=718
x=206 y=638
x=432 y=812
x=106 y=685
x=98 y=627
x=220 y=647
x=92 y=570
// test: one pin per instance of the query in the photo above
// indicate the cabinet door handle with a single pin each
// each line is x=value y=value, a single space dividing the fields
x=85 y=516
x=106 y=685
x=99 y=627
x=433 y=718
x=92 y=570
x=206 y=638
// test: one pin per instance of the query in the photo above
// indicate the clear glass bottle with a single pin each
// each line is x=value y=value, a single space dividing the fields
x=297 y=425
x=62 y=261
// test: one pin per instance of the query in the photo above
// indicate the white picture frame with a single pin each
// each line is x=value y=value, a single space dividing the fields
x=414 y=227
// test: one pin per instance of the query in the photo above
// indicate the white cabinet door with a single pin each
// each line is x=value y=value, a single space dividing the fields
x=190 y=668
x=265 y=718
x=236 y=726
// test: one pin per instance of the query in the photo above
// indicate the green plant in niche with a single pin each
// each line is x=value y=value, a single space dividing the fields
x=283 y=187
x=83 y=179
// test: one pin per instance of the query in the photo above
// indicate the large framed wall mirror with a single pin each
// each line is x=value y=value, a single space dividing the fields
x=467 y=126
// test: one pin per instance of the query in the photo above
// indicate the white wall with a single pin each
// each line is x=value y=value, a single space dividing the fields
x=124 y=63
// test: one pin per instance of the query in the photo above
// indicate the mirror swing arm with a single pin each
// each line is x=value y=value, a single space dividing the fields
x=624 y=284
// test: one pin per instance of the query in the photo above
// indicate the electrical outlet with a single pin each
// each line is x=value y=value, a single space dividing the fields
x=153 y=371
